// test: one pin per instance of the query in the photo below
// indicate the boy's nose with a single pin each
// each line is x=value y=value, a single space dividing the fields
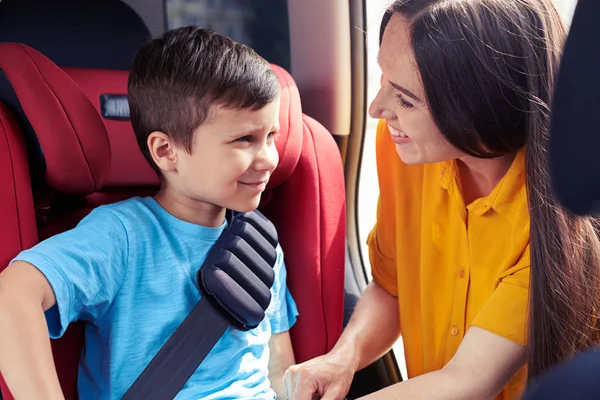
x=267 y=159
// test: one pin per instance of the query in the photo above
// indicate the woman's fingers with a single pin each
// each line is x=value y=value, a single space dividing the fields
x=321 y=378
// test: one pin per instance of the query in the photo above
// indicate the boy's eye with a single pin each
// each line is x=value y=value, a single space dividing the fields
x=246 y=138
x=250 y=138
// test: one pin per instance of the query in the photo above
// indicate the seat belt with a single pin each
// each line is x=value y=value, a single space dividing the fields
x=235 y=282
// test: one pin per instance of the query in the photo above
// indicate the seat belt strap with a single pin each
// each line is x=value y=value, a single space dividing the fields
x=181 y=355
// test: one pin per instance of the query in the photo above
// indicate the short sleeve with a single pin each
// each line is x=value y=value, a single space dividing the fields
x=382 y=239
x=85 y=267
x=282 y=311
x=505 y=313
x=383 y=265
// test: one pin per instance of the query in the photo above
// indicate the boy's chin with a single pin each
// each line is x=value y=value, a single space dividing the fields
x=246 y=205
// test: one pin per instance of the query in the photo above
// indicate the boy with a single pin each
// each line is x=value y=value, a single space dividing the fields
x=204 y=110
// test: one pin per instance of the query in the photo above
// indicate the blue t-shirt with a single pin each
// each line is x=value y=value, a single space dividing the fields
x=129 y=270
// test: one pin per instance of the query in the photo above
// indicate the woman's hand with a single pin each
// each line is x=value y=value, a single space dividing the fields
x=372 y=330
x=327 y=377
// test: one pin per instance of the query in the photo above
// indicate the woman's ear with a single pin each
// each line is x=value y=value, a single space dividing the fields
x=163 y=151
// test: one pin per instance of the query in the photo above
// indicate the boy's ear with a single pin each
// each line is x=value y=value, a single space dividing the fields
x=163 y=150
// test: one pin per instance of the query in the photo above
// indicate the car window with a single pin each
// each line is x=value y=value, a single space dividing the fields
x=260 y=24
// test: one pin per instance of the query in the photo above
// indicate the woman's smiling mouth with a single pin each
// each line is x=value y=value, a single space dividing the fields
x=398 y=136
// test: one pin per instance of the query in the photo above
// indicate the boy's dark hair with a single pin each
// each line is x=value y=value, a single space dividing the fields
x=175 y=79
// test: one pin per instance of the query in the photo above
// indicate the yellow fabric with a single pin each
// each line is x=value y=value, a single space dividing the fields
x=451 y=266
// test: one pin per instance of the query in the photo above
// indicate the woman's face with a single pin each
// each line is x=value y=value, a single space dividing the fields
x=401 y=101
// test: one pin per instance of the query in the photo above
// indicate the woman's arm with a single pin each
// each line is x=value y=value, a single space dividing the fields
x=371 y=332
x=373 y=328
x=483 y=364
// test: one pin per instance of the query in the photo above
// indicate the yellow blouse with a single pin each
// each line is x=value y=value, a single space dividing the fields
x=451 y=266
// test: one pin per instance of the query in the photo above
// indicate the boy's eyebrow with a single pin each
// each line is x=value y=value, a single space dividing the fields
x=274 y=128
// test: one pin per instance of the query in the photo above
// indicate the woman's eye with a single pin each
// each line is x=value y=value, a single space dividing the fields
x=402 y=102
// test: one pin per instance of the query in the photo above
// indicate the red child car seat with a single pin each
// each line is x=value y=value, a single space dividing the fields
x=76 y=160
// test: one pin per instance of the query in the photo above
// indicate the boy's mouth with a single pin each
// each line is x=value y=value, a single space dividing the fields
x=257 y=184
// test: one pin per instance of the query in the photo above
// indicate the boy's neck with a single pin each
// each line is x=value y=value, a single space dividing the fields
x=186 y=209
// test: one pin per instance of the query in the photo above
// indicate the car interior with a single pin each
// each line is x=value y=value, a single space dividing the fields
x=66 y=146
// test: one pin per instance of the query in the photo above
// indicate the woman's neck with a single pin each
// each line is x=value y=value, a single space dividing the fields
x=479 y=176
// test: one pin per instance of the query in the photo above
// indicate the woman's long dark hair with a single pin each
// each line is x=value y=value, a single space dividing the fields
x=488 y=69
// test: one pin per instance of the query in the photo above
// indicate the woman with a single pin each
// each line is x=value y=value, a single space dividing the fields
x=466 y=219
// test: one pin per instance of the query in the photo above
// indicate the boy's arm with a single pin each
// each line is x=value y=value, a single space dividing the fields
x=26 y=359
x=282 y=314
x=281 y=358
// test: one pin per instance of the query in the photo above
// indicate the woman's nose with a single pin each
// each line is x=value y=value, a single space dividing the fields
x=378 y=108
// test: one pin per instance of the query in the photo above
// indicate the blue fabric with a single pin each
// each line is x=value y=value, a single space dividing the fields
x=129 y=270
x=576 y=378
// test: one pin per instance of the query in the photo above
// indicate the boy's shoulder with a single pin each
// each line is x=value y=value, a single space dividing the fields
x=126 y=210
x=125 y=207
x=131 y=213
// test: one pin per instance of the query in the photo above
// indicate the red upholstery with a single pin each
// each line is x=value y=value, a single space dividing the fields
x=289 y=141
x=128 y=168
x=17 y=224
x=70 y=131
x=92 y=161
x=309 y=212
x=307 y=204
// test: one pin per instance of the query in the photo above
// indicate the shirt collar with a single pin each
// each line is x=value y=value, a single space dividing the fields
x=509 y=195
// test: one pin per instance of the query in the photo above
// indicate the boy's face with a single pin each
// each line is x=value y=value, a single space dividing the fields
x=232 y=158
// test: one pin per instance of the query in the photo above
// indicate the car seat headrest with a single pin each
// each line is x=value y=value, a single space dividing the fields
x=73 y=140
x=101 y=34
x=107 y=91
x=289 y=141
